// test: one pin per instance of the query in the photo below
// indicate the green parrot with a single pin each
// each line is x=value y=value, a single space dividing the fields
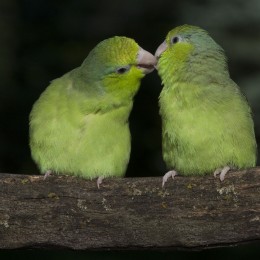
x=79 y=125
x=206 y=121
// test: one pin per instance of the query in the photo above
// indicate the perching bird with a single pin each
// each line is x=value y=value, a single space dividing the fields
x=79 y=125
x=206 y=121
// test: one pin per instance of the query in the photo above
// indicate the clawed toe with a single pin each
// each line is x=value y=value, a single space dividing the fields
x=99 y=181
x=221 y=172
x=47 y=173
x=168 y=175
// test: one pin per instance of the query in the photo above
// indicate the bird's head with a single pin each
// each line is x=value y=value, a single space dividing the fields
x=186 y=39
x=187 y=44
x=119 y=63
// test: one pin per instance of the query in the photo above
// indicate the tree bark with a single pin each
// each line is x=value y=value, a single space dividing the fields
x=130 y=213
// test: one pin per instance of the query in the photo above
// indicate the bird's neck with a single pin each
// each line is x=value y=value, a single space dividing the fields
x=205 y=67
x=88 y=92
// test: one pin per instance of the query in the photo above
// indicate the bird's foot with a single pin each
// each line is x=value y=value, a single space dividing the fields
x=99 y=181
x=221 y=172
x=48 y=173
x=167 y=175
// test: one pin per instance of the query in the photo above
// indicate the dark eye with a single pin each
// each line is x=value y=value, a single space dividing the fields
x=122 y=70
x=175 y=39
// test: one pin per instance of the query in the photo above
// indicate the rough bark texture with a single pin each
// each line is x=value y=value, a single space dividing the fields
x=70 y=212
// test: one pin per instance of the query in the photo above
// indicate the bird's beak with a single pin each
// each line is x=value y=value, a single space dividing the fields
x=160 y=50
x=146 y=61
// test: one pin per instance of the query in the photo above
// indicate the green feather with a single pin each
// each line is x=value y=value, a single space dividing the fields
x=206 y=121
x=79 y=125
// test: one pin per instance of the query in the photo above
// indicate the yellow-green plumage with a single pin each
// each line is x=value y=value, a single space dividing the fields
x=206 y=121
x=79 y=125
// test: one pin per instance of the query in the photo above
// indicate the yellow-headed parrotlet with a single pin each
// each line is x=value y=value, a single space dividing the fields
x=79 y=125
x=207 y=125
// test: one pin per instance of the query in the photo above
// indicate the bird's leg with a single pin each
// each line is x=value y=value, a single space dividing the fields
x=48 y=173
x=167 y=175
x=99 y=181
x=221 y=172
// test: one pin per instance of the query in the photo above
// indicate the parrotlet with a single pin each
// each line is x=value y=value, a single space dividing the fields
x=207 y=125
x=79 y=125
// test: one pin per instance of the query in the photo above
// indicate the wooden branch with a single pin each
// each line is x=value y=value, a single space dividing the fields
x=129 y=213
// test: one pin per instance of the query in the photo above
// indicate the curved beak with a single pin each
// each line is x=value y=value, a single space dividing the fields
x=146 y=61
x=160 y=50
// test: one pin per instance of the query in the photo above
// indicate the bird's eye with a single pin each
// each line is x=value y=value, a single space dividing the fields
x=175 y=39
x=122 y=70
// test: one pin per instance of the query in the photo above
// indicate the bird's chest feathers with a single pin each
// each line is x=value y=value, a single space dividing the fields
x=186 y=110
x=78 y=119
x=110 y=120
x=178 y=99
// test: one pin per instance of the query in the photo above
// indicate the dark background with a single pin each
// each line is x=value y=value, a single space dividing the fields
x=42 y=39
